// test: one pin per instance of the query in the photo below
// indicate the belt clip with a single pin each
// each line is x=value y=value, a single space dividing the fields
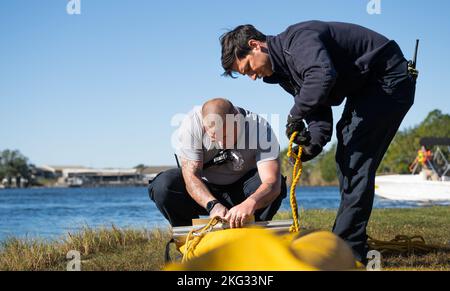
x=412 y=71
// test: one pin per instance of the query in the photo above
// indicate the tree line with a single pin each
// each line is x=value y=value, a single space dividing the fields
x=14 y=167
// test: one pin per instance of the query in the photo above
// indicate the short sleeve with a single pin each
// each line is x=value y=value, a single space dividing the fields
x=190 y=139
x=268 y=145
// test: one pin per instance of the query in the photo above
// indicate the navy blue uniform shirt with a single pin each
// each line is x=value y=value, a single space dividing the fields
x=321 y=63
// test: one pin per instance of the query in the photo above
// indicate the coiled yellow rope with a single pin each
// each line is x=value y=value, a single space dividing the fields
x=195 y=235
x=405 y=245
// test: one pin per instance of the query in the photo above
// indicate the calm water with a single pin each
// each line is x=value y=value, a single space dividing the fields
x=50 y=213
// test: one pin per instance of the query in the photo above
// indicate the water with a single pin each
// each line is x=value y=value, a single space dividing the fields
x=52 y=212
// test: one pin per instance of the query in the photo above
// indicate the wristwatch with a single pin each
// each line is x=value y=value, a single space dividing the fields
x=210 y=205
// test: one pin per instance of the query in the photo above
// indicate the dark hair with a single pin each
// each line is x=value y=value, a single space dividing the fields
x=235 y=45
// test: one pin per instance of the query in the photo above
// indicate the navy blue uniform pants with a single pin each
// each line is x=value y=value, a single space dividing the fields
x=369 y=122
x=168 y=191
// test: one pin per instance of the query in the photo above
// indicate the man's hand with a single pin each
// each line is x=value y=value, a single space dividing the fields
x=237 y=215
x=218 y=210
x=297 y=125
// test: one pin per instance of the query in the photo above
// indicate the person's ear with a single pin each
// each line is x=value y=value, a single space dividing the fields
x=253 y=44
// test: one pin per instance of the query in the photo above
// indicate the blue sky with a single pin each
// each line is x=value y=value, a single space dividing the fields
x=99 y=89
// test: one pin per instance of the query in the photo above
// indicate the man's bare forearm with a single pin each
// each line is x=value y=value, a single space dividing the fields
x=265 y=194
x=270 y=188
x=192 y=173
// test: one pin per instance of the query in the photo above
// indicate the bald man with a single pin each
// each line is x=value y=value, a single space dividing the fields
x=230 y=168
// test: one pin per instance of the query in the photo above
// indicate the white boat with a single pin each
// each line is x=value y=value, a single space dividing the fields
x=433 y=182
x=411 y=188
x=74 y=182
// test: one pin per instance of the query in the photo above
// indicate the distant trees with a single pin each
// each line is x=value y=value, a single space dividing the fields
x=406 y=143
x=401 y=153
x=14 y=165
x=140 y=168
x=327 y=165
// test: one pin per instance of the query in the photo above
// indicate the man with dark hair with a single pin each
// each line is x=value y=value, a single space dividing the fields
x=320 y=64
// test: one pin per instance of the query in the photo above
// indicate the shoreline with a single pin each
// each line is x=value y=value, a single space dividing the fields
x=128 y=186
x=143 y=249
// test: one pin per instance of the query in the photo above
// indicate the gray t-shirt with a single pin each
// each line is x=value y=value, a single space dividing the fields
x=256 y=143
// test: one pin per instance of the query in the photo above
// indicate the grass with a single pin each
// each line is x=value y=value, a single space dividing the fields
x=128 y=249
x=432 y=223
x=100 y=249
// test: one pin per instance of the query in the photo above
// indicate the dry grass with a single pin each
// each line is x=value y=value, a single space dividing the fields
x=128 y=249
x=101 y=249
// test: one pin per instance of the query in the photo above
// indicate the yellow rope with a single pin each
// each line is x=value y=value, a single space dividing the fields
x=403 y=244
x=296 y=173
x=195 y=235
x=400 y=244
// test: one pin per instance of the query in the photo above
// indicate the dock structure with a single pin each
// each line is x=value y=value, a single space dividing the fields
x=79 y=176
x=82 y=177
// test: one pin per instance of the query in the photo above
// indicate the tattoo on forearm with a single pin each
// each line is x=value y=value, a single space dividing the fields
x=192 y=174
